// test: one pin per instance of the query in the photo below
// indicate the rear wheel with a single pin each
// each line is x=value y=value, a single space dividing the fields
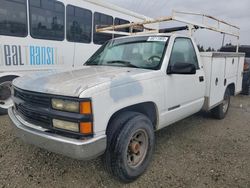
x=130 y=147
x=220 y=111
x=5 y=94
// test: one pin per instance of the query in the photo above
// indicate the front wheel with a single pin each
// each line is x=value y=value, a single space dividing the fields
x=130 y=151
x=221 y=111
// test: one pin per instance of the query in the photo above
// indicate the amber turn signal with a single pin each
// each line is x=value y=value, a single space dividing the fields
x=86 y=128
x=85 y=107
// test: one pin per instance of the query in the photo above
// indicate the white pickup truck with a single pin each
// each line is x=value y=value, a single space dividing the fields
x=130 y=88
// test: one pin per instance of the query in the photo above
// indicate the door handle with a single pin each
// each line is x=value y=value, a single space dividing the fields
x=201 y=78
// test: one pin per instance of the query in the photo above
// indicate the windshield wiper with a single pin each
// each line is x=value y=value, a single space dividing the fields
x=127 y=63
x=90 y=64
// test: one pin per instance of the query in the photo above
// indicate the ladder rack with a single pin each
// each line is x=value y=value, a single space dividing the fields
x=177 y=16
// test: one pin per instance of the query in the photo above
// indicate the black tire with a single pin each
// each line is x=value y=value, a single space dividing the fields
x=221 y=111
x=120 y=133
x=5 y=79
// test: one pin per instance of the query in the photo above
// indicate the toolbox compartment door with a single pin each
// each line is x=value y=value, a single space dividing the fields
x=217 y=87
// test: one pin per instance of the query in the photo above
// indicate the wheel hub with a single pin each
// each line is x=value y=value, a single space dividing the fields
x=5 y=93
x=137 y=148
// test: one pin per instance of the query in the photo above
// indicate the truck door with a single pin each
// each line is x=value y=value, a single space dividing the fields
x=184 y=92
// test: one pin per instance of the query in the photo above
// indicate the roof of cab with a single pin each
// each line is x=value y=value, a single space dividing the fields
x=154 y=34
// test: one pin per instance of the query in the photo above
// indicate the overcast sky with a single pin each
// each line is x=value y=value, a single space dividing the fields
x=232 y=11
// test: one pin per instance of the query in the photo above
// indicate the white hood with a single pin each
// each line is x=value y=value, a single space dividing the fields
x=73 y=83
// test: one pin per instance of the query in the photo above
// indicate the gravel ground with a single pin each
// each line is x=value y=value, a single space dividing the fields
x=196 y=152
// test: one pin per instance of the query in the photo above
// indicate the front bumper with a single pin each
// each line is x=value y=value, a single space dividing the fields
x=73 y=148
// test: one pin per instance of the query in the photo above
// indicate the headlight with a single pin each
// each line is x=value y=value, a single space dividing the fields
x=72 y=106
x=66 y=125
x=65 y=105
x=74 y=125
x=83 y=127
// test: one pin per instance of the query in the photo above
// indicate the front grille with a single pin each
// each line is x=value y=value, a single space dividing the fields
x=33 y=117
x=32 y=98
x=35 y=108
x=27 y=104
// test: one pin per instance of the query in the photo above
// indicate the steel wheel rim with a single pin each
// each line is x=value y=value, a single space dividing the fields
x=137 y=148
x=6 y=102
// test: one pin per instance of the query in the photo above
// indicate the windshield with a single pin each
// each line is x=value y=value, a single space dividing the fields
x=137 y=52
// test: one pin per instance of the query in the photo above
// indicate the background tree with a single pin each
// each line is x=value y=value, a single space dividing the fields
x=201 y=48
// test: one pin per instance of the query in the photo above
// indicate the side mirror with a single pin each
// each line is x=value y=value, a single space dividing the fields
x=181 y=68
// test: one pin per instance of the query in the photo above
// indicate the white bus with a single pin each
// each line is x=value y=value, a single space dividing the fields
x=42 y=35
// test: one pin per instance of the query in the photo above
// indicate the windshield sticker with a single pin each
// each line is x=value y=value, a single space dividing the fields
x=157 y=39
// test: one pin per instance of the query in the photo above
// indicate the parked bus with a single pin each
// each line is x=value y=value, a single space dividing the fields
x=42 y=35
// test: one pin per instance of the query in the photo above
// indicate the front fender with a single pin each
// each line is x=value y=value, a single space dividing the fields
x=116 y=97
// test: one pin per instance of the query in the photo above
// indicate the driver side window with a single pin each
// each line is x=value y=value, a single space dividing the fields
x=183 y=52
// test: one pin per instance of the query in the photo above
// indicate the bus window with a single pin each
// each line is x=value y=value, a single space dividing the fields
x=47 y=19
x=13 y=18
x=79 y=24
x=137 y=30
x=119 y=21
x=102 y=20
